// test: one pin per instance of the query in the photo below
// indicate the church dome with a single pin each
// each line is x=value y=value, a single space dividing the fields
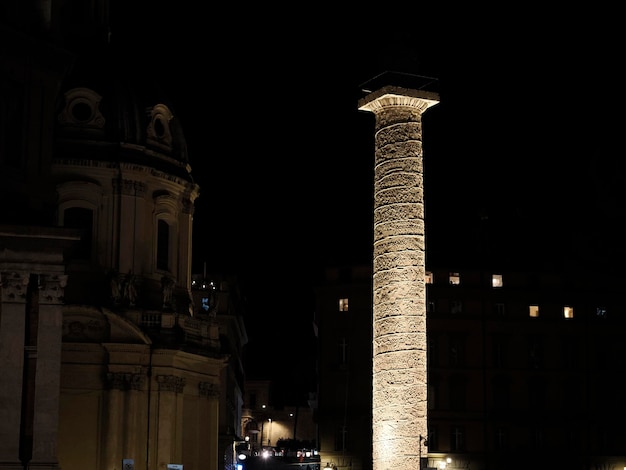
x=113 y=109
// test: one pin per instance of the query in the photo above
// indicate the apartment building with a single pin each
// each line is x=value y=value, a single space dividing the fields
x=524 y=369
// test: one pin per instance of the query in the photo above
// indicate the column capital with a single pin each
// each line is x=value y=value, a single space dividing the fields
x=393 y=96
x=14 y=286
x=209 y=390
x=394 y=105
x=51 y=288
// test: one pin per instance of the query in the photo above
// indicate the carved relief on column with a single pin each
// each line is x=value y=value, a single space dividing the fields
x=14 y=286
x=51 y=288
x=399 y=385
x=170 y=383
x=209 y=390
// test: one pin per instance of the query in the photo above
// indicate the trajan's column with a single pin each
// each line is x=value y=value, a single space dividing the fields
x=399 y=401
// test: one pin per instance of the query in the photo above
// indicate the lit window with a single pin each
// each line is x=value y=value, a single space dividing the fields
x=455 y=279
x=428 y=277
x=496 y=280
x=343 y=305
x=601 y=312
x=533 y=310
x=568 y=312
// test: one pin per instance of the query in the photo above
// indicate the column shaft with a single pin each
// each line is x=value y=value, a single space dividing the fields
x=399 y=401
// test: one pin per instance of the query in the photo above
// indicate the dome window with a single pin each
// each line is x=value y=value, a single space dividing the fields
x=159 y=132
x=159 y=127
x=82 y=111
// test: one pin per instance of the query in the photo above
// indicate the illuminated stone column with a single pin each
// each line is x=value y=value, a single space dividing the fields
x=399 y=401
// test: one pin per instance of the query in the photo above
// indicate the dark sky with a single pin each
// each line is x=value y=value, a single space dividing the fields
x=527 y=133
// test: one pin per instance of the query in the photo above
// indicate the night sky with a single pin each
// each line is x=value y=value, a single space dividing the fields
x=526 y=139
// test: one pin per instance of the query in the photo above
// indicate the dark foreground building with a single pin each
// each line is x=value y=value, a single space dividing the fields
x=107 y=359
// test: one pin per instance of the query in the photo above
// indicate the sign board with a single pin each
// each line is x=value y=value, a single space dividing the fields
x=128 y=464
x=174 y=466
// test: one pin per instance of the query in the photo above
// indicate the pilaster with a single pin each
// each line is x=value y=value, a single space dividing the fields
x=48 y=374
x=116 y=382
x=212 y=393
x=169 y=417
x=13 y=287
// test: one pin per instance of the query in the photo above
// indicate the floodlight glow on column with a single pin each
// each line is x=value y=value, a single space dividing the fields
x=399 y=400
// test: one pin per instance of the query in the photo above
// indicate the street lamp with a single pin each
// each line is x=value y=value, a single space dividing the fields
x=241 y=453
x=262 y=423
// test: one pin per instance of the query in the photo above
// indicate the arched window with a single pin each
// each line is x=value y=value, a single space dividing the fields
x=163 y=245
x=80 y=218
x=78 y=209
